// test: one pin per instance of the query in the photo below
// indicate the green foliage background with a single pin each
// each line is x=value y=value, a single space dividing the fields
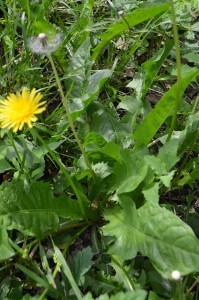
x=119 y=231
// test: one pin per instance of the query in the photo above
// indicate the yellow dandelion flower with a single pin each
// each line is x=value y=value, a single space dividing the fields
x=20 y=109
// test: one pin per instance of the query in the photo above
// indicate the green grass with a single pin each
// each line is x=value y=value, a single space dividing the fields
x=99 y=199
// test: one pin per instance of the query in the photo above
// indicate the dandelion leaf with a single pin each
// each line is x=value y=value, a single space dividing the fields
x=157 y=233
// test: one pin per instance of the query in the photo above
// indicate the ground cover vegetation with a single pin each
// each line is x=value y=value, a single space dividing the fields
x=99 y=149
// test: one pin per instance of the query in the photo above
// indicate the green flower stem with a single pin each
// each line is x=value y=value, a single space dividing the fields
x=65 y=103
x=63 y=169
x=178 y=62
x=24 y=158
x=10 y=134
x=21 y=161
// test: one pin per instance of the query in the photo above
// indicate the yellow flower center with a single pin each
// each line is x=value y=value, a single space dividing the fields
x=17 y=110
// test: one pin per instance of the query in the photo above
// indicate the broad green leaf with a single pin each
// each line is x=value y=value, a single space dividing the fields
x=78 y=71
x=133 y=295
x=152 y=122
x=3 y=150
x=157 y=233
x=88 y=297
x=190 y=173
x=166 y=158
x=125 y=4
x=143 y=80
x=102 y=170
x=138 y=83
x=95 y=143
x=160 y=285
x=166 y=179
x=192 y=57
x=168 y=154
x=130 y=104
x=135 y=105
x=128 y=173
x=153 y=65
x=155 y=163
x=81 y=263
x=151 y=192
x=10 y=286
x=81 y=84
x=90 y=89
x=106 y=122
x=100 y=284
x=95 y=83
x=28 y=297
x=6 y=251
x=125 y=23
x=153 y=296
x=185 y=70
x=4 y=165
x=121 y=225
x=193 y=221
x=34 y=210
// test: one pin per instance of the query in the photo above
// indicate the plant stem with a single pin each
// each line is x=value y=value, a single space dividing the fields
x=24 y=158
x=70 y=120
x=21 y=161
x=195 y=105
x=129 y=282
x=178 y=63
x=63 y=169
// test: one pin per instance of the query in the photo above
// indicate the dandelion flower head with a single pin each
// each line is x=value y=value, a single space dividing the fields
x=44 y=44
x=20 y=109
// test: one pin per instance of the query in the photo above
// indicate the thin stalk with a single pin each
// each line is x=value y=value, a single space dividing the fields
x=128 y=280
x=195 y=105
x=193 y=286
x=21 y=161
x=24 y=159
x=178 y=63
x=13 y=144
x=70 y=120
x=63 y=169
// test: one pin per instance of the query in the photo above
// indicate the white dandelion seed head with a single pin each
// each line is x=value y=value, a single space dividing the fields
x=42 y=36
x=43 y=44
x=176 y=275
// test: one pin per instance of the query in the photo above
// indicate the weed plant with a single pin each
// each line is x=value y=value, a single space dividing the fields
x=99 y=150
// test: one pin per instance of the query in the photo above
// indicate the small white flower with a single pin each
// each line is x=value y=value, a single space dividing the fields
x=175 y=275
x=43 y=44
